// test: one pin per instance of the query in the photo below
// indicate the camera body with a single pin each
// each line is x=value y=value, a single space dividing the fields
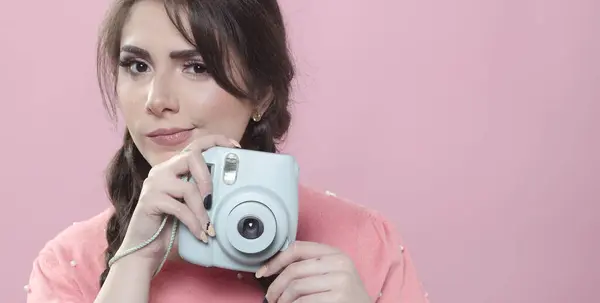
x=254 y=209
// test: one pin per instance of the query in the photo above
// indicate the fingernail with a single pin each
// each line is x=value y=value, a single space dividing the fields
x=235 y=143
x=208 y=202
x=261 y=271
x=203 y=237
x=210 y=229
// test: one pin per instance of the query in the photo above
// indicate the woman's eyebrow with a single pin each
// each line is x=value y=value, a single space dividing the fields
x=184 y=54
x=140 y=52
x=144 y=54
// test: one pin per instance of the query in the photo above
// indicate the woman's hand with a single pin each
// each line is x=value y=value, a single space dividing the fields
x=313 y=273
x=163 y=193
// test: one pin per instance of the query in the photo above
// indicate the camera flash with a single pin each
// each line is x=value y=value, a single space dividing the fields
x=230 y=168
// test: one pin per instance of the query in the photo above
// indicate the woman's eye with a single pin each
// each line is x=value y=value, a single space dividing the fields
x=135 y=66
x=195 y=68
x=139 y=67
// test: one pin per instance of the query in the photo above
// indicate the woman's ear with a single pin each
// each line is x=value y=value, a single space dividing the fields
x=265 y=102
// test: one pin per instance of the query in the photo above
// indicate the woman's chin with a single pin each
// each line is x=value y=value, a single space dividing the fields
x=155 y=158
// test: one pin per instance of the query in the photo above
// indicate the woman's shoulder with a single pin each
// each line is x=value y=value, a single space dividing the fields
x=363 y=234
x=85 y=237
x=71 y=262
x=82 y=242
x=325 y=208
x=326 y=218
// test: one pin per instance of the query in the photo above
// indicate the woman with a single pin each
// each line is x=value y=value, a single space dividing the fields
x=186 y=76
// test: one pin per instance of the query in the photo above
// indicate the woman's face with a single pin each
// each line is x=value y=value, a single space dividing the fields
x=165 y=96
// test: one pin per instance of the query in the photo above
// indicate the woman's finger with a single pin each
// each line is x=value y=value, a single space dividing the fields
x=298 y=270
x=176 y=165
x=169 y=205
x=201 y=178
x=201 y=175
x=322 y=297
x=196 y=164
x=179 y=164
x=299 y=250
x=206 y=142
x=190 y=194
x=299 y=288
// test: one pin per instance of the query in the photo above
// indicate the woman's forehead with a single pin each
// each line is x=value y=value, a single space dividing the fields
x=148 y=26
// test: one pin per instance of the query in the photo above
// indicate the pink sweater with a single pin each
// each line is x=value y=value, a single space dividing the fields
x=67 y=268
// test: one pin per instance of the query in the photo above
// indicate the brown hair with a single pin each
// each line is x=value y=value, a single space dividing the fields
x=252 y=32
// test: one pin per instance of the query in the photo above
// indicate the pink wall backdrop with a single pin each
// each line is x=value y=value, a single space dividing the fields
x=472 y=124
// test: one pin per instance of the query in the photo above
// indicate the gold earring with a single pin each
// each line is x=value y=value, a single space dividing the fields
x=256 y=116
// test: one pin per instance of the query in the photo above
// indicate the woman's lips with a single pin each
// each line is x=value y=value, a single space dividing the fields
x=170 y=137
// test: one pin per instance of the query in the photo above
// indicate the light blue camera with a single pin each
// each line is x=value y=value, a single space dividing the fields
x=254 y=209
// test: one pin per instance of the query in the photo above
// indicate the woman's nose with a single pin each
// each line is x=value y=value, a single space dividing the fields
x=161 y=99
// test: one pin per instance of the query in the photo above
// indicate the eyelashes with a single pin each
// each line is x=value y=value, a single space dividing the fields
x=195 y=67
x=136 y=67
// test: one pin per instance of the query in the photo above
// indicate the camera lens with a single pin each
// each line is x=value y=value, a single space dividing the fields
x=250 y=228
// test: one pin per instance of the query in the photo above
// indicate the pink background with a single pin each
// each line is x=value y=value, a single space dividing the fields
x=472 y=124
